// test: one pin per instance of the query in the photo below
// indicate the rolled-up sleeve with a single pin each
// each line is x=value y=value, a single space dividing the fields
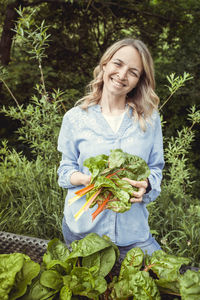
x=67 y=146
x=155 y=163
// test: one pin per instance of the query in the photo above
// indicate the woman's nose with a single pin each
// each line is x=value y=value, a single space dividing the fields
x=122 y=73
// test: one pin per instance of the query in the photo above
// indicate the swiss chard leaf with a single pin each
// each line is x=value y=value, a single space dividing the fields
x=96 y=164
x=123 y=184
x=117 y=158
x=56 y=256
x=65 y=293
x=117 y=205
x=104 y=182
x=91 y=261
x=51 y=279
x=133 y=166
x=139 y=171
x=137 y=284
x=85 y=284
x=167 y=267
x=38 y=292
x=190 y=285
x=90 y=244
x=117 y=253
x=56 y=250
x=24 y=277
x=10 y=265
x=132 y=261
x=104 y=260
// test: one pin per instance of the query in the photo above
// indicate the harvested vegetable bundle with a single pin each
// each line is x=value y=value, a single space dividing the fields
x=107 y=188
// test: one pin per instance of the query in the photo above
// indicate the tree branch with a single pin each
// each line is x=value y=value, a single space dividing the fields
x=8 y=33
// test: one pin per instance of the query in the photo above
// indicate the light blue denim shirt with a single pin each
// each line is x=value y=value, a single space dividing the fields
x=86 y=133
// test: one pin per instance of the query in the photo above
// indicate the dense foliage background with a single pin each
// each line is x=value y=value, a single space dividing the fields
x=42 y=76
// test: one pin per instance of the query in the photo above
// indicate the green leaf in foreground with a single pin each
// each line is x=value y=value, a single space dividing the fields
x=10 y=265
x=190 y=285
x=132 y=261
x=38 y=292
x=167 y=267
x=56 y=255
x=51 y=279
x=83 y=283
x=24 y=277
x=17 y=271
x=103 y=260
x=137 y=284
x=65 y=293
x=90 y=244
x=56 y=250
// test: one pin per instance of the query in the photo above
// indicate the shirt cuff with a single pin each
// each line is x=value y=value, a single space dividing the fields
x=148 y=189
x=64 y=180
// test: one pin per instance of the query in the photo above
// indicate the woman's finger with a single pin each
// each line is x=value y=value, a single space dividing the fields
x=135 y=200
x=139 y=193
x=138 y=184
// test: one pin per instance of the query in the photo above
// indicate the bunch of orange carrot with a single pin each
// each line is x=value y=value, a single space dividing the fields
x=91 y=199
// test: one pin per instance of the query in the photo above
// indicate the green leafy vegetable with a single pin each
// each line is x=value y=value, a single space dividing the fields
x=132 y=262
x=138 y=284
x=56 y=256
x=65 y=293
x=190 y=285
x=92 y=243
x=83 y=282
x=81 y=272
x=167 y=267
x=84 y=272
x=37 y=291
x=17 y=271
x=51 y=279
x=107 y=173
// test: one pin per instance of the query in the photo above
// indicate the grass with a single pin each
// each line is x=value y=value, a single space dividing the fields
x=31 y=200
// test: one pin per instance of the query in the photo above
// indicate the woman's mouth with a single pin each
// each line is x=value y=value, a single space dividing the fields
x=117 y=83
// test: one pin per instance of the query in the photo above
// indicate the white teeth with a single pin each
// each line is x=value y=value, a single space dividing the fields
x=118 y=84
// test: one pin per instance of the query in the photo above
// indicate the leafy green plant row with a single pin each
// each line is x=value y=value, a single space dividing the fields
x=86 y=270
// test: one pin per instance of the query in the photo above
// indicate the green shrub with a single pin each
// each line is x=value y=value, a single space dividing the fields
x=174 y=216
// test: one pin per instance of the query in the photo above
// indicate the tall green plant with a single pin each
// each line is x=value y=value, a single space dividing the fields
x=174 y=216
x=31 y=201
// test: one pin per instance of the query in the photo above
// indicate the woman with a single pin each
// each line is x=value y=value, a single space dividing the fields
x=119 y=111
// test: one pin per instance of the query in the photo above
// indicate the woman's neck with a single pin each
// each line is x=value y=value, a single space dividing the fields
x=112 y=105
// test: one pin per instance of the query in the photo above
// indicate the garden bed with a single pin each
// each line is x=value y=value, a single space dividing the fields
x=35 y=249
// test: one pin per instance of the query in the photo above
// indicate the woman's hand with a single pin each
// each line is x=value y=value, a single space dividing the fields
x=78 y=178
x=141 y=185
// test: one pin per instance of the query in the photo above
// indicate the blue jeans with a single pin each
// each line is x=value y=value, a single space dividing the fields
x=148 y=246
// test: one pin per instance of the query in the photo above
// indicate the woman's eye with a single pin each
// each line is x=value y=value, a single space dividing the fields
x=133 y=73
x=117 y=63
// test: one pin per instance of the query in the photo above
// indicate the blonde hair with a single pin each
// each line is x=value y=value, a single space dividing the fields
x=142 y=98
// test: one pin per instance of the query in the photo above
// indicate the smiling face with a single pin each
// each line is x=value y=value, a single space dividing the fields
x=122 y=72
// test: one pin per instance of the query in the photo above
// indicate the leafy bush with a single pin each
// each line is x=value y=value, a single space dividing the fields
x=174 y=216
x=31 y=201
